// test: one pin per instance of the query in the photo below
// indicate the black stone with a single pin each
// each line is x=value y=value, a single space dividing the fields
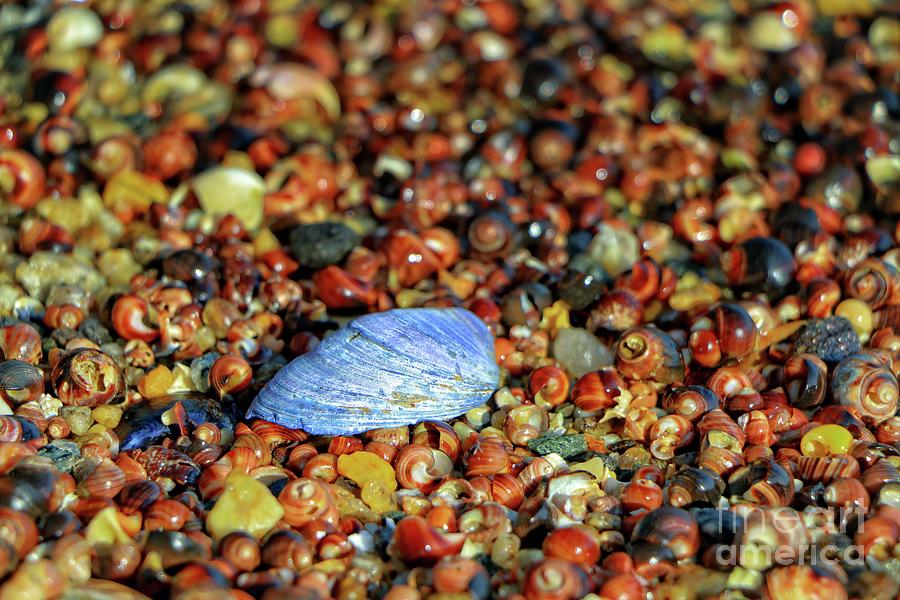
x=322 y=244
x=830 y=339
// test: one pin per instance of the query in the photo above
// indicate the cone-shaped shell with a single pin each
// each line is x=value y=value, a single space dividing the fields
x=385 y=370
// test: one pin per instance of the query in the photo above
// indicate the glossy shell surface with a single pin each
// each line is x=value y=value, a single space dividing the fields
x=385 y=370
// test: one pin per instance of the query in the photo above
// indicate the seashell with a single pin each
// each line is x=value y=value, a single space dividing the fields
x=826 y=468
x=385 y=370
x=802 y=581
x=763 y=482
x=416 y=542
x=689 y=401
x=554 y=578
x=287 y=549
x=135 y=497
x=87 y=377
x=865 y=382
x=674 y=528
x=649 y=353
x=695 y=485
x=422 y=468
x=459 y=575
x=438 y=435
x=241 y=550
x=20 y=382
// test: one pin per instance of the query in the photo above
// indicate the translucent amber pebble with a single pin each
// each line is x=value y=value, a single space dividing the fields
x=595 y=467
x=265 y=241
x=105 y=528
x=826 y=439
x=555 y=317
x=156 y=382
x=245 y=505
x=373 y=475
x=379 y=495
x=859 y=314
x=229 y=190
x=118 y=266
x=130 y=191
x=107 y=415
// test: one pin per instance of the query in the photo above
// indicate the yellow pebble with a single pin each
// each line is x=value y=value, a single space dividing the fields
x=555 y=317
x=361 y=467
x=860 y=316
x=826 y=439
x=107 y=415
x=105 y=528
x=245 y=505
x=156 y=382
x=130 y=190
x=373 y=475
x=378 y=496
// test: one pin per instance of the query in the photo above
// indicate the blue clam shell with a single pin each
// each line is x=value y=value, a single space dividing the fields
x=386 y=369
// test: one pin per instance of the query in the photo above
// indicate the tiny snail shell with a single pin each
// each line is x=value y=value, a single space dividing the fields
x=577 y=544
x=87 y=377
x=554 y=578
x=438 y=435
x=230 y=374
x=417 y=542
x=241 y=550
x=20 y=382
x=649 y=353
x=674 y=528
x=422 y=468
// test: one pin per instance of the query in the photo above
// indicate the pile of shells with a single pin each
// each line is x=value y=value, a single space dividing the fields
x=408 y=300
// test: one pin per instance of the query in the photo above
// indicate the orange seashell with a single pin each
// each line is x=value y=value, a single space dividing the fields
x=486 y=457
x=168 y=515
x=458 y=575
x=641 y=494
x=103 y=479
x=691 y=401
x=578 y=544
x=438 y=435
x=305 y=500
x=671 y=527
x=549 y=385
x=443 y=518
x=507 y=490
x=485 y=522
x=18 y=530
x=137 y=496
x=649 y=353
x=598 y=390
x=525 y=423
x=826 y=468
x=322 y=467
x=287 y=549
x=802 y=581
x=552 y=578
x=344 y=445
x=417 y=543
x=230 y=374
x=241 y=550
x=422 y=468
x=87 y=377
x=21 y=342
x=624 y=586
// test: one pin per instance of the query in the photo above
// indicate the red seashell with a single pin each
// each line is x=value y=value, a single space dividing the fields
x=168 y=515
x=598 y=390
x=26 y=173
x=418 y=543
x=230 y=374
x=578 y=544
x=422 y=468
x=552 y=578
